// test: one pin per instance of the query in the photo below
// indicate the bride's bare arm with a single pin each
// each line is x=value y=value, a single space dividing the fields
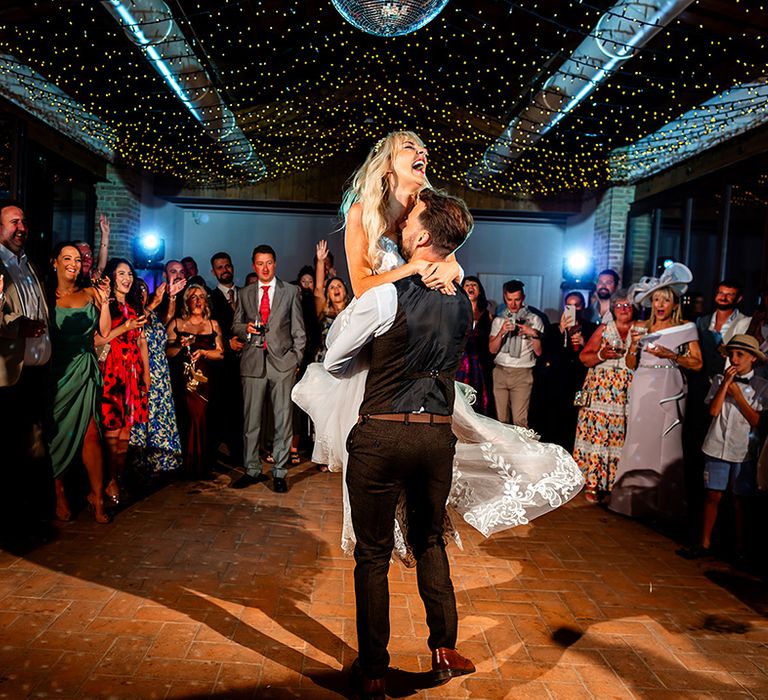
x=444 y=275
x=360 y=271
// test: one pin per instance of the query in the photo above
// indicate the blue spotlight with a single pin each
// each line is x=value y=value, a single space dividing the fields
x=148 y=250
x=578 y=270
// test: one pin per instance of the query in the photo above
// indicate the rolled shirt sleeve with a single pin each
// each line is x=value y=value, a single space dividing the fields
x=365 y=318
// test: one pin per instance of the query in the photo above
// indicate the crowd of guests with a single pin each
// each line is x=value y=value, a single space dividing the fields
x=125 y=382
x=647 y=391
x=107 y=384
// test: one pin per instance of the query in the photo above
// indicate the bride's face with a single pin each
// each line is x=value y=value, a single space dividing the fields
x=409 y=164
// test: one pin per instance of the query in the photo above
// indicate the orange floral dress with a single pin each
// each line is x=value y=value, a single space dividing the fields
x=602 y=425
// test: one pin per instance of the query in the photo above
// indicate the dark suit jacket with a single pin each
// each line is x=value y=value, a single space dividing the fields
x=285 y=330
x=223 y=312
x=714 y=362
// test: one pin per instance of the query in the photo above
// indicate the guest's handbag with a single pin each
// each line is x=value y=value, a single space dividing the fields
x=102 y=352
x=582 y=398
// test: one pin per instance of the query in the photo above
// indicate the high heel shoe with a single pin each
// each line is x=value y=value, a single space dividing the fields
x=98 y=513
x=113 y=496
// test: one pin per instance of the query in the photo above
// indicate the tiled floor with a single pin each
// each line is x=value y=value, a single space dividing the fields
x=203 y=591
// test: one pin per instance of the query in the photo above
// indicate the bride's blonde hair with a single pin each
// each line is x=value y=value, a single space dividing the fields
x=369 y=185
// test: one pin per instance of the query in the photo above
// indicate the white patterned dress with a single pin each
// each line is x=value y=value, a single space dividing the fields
x=502 y=475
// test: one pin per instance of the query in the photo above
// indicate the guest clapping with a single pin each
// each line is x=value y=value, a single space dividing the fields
x=157 y=441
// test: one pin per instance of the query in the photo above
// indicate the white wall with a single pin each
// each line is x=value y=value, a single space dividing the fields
x=292 y=235
x=509 y=248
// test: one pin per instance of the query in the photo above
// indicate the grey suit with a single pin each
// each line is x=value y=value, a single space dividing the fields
x=273 y=368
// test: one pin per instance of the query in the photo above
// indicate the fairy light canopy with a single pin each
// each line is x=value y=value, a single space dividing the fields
x=308 y=90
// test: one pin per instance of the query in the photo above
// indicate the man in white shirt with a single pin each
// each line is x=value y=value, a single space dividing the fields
x=25 y=350
x=516 y=342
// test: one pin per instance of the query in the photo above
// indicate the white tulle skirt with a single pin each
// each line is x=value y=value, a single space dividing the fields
x=502 y=475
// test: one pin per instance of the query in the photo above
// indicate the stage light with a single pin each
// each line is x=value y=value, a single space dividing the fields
x=578 y=270
x=662 y=263
x=148 y=251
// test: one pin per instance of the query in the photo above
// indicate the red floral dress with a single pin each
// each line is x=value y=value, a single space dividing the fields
x=125 y=400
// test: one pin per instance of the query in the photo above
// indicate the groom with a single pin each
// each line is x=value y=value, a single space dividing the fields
x=403 y=440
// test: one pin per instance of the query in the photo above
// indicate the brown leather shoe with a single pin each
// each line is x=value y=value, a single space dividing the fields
x=367 y=688
x=448 y=663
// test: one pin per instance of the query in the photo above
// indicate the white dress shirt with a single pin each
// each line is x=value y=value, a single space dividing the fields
x=730 y=436
x=367 y=317
x=226 y=290
x=527 y=357
x=271 y=286
x=37 y=351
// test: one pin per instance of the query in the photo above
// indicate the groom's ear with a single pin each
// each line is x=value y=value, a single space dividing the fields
x=424 y=239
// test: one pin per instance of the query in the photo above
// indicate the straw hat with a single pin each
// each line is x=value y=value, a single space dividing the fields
x=676 y=277
x=747 y=343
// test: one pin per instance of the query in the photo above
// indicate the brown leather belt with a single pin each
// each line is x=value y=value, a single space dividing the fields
x=406 y=418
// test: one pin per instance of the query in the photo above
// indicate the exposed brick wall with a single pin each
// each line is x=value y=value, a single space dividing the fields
x=641 y=245
x=120 y=199
x=611 y=226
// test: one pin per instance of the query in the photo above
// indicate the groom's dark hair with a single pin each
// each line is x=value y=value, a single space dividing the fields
x=447 y=219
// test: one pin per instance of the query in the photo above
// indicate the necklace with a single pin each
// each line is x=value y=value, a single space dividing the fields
x=61 y=294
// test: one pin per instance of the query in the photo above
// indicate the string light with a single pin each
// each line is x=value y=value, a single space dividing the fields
x=309 y=90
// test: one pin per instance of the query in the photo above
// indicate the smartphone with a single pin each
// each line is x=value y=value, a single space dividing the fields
x=570 y=314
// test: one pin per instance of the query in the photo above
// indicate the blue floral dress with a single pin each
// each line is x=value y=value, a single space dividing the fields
x=156 y=442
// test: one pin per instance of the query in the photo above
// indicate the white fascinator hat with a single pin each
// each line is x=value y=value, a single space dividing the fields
x=676 y=277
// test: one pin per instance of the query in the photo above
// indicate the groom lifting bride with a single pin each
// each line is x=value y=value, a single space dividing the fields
x=403 y=441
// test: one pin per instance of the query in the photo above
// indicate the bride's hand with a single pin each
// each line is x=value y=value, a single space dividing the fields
x=441 y=275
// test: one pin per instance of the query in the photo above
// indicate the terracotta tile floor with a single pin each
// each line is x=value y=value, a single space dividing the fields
x=203 y=591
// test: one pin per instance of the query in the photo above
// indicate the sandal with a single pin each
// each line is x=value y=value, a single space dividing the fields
x=295 y=458
x=592 y=496
x=322 y=467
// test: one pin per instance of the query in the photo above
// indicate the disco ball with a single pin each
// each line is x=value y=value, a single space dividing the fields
x=389 y=17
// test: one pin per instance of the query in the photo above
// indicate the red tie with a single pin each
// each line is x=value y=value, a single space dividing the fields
x=264 y=306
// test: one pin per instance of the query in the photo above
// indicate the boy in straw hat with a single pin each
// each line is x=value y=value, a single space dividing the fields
x=735 y=400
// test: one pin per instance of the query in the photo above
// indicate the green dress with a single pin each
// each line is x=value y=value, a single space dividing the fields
x=75 y=370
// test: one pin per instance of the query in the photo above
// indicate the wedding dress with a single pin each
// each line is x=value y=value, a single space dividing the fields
x=502 y=475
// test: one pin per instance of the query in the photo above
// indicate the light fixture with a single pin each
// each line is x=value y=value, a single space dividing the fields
x=578 y=270
x=389 y=17
x=148 y=251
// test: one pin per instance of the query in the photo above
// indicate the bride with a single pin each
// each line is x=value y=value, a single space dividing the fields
x=502 y=475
